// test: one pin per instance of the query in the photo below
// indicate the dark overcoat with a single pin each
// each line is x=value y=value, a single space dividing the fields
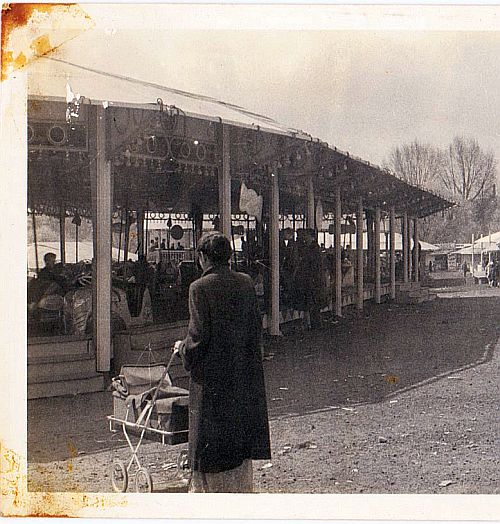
x=228 y=420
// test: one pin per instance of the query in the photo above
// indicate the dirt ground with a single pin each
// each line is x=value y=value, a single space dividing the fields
x=399 y=399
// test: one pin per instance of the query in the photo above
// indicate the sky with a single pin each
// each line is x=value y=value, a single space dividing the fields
x=363 y=91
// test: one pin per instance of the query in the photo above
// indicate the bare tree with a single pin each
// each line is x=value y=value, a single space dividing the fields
x=416 y=163
x=468 y=171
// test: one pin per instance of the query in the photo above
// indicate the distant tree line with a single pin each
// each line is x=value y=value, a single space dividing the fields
x=462 y=172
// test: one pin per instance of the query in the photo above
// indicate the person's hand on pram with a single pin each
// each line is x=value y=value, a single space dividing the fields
x=177 y=346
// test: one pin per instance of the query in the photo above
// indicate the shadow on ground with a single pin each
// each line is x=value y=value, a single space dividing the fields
x=365 y=358
x=370 y=357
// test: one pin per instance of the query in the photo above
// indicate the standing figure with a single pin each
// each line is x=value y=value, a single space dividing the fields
x=465 y=268
x=492 y=273
x=228 y=423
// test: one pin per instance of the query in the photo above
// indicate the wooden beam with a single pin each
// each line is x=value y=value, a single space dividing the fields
x=275 y=256
x=311 y=215
x=140 y=232
x=360 y=256
x=416 y=258
x=225 y=183
x=369 y=247
x=404 y=234
x=392 y=254
x=62 y=234
x=102 y=194
x=35 y=240
x=376 y=255
x=338 y=254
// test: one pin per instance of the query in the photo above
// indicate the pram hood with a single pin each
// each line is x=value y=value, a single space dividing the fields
x=136 y=384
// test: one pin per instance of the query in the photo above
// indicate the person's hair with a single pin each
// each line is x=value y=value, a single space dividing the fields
x=215 y=246
x=47 y=256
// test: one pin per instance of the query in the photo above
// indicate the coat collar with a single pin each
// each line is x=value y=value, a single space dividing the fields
x=215 y=269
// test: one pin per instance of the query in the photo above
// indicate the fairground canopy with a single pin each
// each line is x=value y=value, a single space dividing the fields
x=165 y=150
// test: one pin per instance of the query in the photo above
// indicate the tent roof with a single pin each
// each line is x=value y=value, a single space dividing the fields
x=48 y=78
x=494 y=238
x=477 y=248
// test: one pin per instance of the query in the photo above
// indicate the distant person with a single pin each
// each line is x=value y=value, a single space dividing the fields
x=51 y=272
x=431 y=267
x=180 y=247
x=163 y=245
x=465 y=268
x=491 y=274
x=153 y=246
x=50 y=281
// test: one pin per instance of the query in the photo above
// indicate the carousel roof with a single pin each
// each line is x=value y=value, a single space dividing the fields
x=294 y=152
x=48 y=78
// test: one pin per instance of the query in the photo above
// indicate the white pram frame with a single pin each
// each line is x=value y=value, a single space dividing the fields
x=120 y=471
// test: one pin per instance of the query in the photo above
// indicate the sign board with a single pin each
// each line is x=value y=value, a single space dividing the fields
x=452 y=262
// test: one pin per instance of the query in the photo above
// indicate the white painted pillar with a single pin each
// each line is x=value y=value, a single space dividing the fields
x=225 y=184
x=62 y=234
x=102 y=205
x=338 y=254
x=311 y=214
x=405 y=239
x=274 y=220
x=392 y=254
x=359 y=255
x=376 y=255
x=416 y=264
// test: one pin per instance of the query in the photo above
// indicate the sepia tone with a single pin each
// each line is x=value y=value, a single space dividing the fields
x=376 y=276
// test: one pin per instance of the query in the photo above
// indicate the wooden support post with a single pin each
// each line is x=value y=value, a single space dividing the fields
x=102 y=194
x=369 y=247
x=140 y=232
x=376 y=255
x=126 y=239
x=77 y=240
x=416 y=252
x=62 y=234
x=405 y=239
x=275 y=257
x=225 y=184
x=360 y=256
x=410 y=261
x=392 y=255
x=35 y=241
x=338 y=254
x=311 y=214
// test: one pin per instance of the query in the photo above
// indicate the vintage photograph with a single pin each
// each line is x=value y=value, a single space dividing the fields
x=262 y=249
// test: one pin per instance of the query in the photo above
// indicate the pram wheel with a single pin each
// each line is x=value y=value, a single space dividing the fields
x=182 y=464
x=119 y=476
x=143 y=481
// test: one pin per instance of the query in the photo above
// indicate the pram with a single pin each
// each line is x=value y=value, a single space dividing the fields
x=147 y=405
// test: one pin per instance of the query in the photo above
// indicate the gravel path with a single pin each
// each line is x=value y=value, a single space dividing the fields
x=402 y=399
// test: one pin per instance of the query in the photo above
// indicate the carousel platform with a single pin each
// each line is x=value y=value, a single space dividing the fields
x=62 y=365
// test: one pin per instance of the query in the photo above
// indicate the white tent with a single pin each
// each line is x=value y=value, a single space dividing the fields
x=351 y=240
x=488 y=243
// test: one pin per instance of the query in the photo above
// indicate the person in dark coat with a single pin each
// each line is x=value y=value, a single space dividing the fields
x=228 y=422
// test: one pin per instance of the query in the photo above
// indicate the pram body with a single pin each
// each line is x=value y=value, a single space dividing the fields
x=146 y=404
